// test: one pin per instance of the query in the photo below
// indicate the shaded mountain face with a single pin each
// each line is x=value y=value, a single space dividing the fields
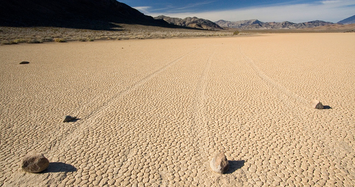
x=349 y=20
x=256 y=24
x=192 y=22
x=92 y=14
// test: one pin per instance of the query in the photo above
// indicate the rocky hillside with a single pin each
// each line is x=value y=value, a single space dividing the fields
x=92 y=14
x=349 y=20
x=256 y=24
x=192 y=22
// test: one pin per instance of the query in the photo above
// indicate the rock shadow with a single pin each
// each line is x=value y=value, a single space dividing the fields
x=235 y=165
x=56 y=167
x=75 y=119
x=24 y=62
x=327 y=107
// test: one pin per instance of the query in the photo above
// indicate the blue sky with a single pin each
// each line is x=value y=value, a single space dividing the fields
x=266 y=10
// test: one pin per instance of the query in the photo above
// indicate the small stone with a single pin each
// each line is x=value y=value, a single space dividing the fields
x=24 y=62
x=34 y=162
x=316 y=104
x=70 y=119
x=219 y=163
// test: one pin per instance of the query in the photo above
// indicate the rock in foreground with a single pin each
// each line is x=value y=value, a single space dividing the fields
x=317 y=104
x=34 y=162
x=219 y=163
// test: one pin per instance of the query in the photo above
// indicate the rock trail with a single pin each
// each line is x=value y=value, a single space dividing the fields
x=159 y=121
x=111 y=96
x=95 y=111
x=286 y=95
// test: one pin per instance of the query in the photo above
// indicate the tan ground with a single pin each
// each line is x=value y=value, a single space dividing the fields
x=154 y=112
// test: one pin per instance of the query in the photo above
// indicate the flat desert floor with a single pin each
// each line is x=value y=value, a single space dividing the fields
x=155 y=112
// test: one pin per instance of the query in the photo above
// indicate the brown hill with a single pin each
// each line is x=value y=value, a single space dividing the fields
x=334 y=28
x=192 y=22
x=92 y=14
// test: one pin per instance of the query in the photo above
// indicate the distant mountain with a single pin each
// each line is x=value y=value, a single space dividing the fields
x=92 y=14
x=255 y=24
x=240 y=24
x=349 y=20
x=192 y=22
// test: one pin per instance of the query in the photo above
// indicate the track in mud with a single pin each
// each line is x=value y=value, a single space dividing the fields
x=163 y=127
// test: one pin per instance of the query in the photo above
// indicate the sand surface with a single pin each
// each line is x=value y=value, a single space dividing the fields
x=154 y=112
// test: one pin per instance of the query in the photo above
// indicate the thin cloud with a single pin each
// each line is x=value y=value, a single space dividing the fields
x=327 y=10
x=143 y=9
x=172 y=9
x=192 y=5
x=330 y=1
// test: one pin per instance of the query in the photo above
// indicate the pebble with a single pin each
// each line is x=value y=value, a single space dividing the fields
x=219 y=163
x=317 y=104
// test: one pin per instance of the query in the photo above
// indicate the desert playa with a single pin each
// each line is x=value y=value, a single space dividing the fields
x=155 y=112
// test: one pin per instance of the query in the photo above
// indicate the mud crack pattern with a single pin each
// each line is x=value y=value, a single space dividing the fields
x=156 y=113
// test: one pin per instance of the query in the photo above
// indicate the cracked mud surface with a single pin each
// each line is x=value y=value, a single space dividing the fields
x=154 y=112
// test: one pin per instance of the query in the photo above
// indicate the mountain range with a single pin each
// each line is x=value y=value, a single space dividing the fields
x=255 y=24
x=192 y=22
x=349 y=20
x=88 y=14
x=106 y=14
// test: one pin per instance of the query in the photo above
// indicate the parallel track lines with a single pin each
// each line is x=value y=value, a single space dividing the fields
x=89 y=119
x=200 y=122
x=287 y=94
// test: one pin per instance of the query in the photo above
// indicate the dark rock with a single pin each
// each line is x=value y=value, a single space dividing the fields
x=34 y=162
x=24 y=62
x=317 y=104
x=70 y=119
